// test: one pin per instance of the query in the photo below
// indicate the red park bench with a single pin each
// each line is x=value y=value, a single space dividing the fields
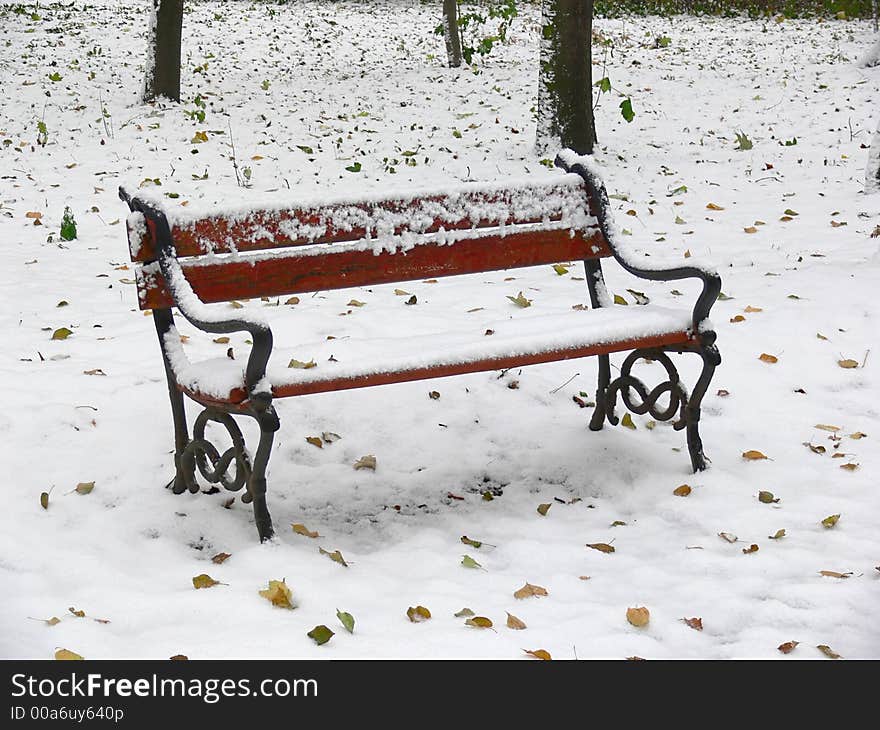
x=187 y=260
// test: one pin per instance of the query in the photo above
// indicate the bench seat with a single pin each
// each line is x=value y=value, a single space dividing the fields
x=514 y=342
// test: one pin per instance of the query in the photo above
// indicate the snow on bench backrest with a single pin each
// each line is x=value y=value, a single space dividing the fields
x=558 y=203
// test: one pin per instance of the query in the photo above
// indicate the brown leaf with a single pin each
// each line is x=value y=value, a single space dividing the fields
x=203 y=580
x=737 y=318
x=315 y=441
x=828 y=651
x=694 y=623
x=84 y=487
x=778 y=535
x=417 y=614
x=764 y=357
x=221 y=340
x=848 y=363
x=529 y=590
x=750 y=549
x=44 y=500
x=767 y=498
x=750 y=229
x=366 y=462
x=858 y=435
x=480 y=622
x=301 y=529
x=539 y=654
x=639 y=616
x=788 y=647
x=752 y=455
x=544 y=508
x=602 y=547
x=66 y=654
x=279 y=594
x=849 y=467
x=683 y=491
x=515 y=623
x=750 y=309
x=221 y=558
x=78 y=613
x=179 y=658
x=713 y=206
x=834 y=574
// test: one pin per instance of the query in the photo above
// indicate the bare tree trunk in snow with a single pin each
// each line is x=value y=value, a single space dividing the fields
x=872 y=57
x=163 y=62
x=872 y=174
x=451 y=33
x=565 y=77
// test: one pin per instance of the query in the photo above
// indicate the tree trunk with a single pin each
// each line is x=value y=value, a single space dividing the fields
x=565 y=77
x=871 y=57
x=872 y=174
x=451 y=33
x=163 y=63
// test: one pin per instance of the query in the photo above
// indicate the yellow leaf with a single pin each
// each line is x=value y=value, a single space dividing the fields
x=712 y=206
x=830 y=521
x=44 y=500
x=356 y=303
x=529 y=590
x=750 y=229
x=480 y=622
x=315 y=441
x=826 y=427
x=78 y=613
x=66 y=654
x=750 y=309
x=417 y=614
x=204 y=581
x=402 y=292
x=279 y=594
x=84 y=487
x=767 y=498
x=602 y=547
x=828 y=651
x=638 y=616
x=221 y=340
x=520 y=301
x=515 y=623
x=335 y=556
x=199 y=138
x=236 y=305
x=300 y=529
x=768 y=358
x=752 y=455
x=627 y=421
x=778 y=535
x=847 y=363
x=62 y=333
x=299 y=364
x=737 y=318
x=544 y=508
x=560 y=269
x=539 y=654
x=620 y=300
x=257 y=157
x=683 y=491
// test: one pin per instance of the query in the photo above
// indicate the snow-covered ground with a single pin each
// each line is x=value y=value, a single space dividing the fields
x=308 y=89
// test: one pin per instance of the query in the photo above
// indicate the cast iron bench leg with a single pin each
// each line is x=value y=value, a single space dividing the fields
x=264 y=412
x=711 y=359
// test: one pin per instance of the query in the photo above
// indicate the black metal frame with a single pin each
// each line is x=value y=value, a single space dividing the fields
x=687 y=406
x=196 y=451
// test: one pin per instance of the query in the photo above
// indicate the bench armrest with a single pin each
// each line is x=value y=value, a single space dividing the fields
x=194 y=310
x=600 y=207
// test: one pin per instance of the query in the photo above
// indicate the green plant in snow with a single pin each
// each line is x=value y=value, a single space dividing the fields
x=68 y=225
x=474 y=22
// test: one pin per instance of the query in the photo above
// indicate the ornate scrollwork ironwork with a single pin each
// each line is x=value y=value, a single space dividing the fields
x=639 y=399
x=212 y=465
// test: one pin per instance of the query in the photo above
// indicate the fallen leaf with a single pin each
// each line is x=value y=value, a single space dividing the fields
x=417 y=614
x=778 y=535
x=544 y=508
x=737 y=318
x=683 y=491
x=366 y=462
x=694 y=623
x=468 y=562
x=329 y=437
x=712 y=206
x=764 y=357
x=752 y=455
x=767 y=498
x=292 y=300
x=355 y=303
x=62 y=333
x=301 y=529
x=828 y=651
x=221 y=340
x=728 y=537
x=320 y=634
x=627 y=421
x=750 y=549
x=560 y=269
x=203 y=580
x=279 y=594
x=529 y=590
x=346 y=619
x=95 y=371
x=480 y=622
x=402 y=293
x=78 y=613
x=602 y=547
x=434 y=395
x=834 y=574
x=44 y=500
x=849 y=467
x=520 y=301
x=315 y=441
x=515 y=623
x=335 y=556
x=858 y=435
x=221 y=558
x=179 y=658
x=473 y=543
x=750 y=229
x=66 y=655
x=464 y=613
x=848 y=364
x=788 y=647
x=52 y=621
x=830 y=521
x=539 y=654
x=639 y=616
x=84 y=487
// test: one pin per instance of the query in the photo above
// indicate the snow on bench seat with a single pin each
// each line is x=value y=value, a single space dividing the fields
x=353 y=363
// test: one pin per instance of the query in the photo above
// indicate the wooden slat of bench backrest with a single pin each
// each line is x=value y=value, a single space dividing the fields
x=335 y=267
x=466 y=207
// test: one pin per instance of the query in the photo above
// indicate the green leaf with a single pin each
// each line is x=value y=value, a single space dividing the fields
x=830 y=521
x=620 y=300
x=626 y=110
x=604 y=84
x=767 y=498
x=560 y=269
x=520 y=301
x=55 y=76
x=305 y=148
x=468 y=562
x=62 y=333
x=320 y=634
x=346 y=619
x=743 y=142
x=627 y=421
x=354 y=167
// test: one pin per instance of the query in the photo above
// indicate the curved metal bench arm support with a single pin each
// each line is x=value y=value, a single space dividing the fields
x=601 y=209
